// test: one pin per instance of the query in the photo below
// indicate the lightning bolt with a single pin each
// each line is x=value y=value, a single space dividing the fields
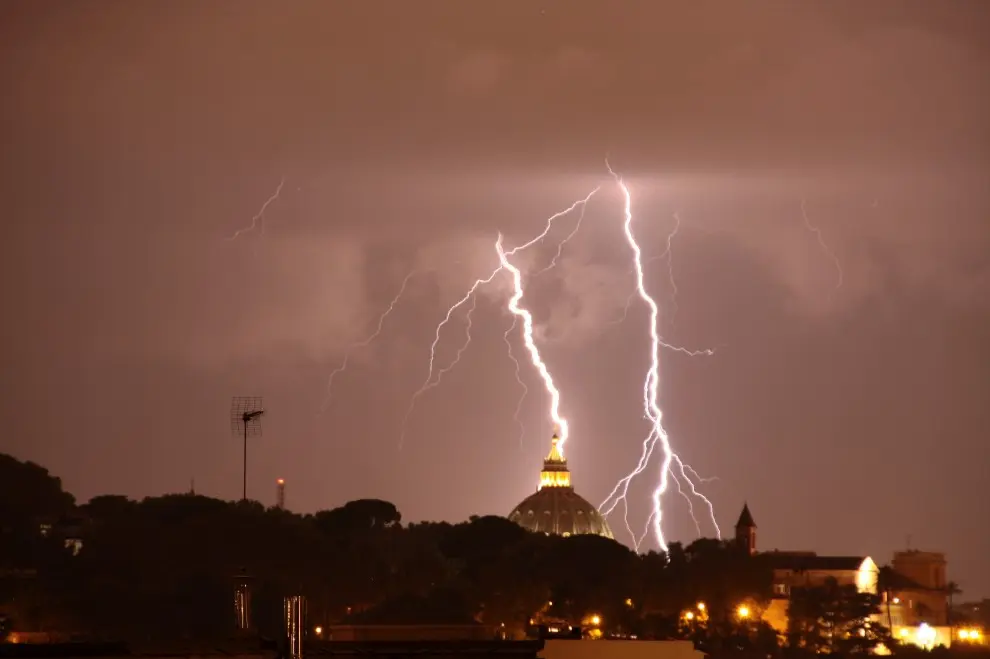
x=364 y=343
x=525 y=389
x=825 y=248
x=534 y=353
x=259 y=218
x=478 y=283
x=651 y=406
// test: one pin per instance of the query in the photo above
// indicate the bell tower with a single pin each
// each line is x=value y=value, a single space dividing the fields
x=746 y=531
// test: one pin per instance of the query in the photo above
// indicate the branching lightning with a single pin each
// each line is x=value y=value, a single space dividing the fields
x=258 y=221
x=651 y=405
x=669 y=253
x=364 y=343
x=478 y=283
x=433 y=350
x=690 y=505
x=825 y=248
x=468 y=325
x=560 y=246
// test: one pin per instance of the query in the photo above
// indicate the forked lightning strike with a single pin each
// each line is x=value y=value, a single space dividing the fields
x=559 y=422
x=259 y=218
x=651 y=405
x=684 y=476
x=364 y=343
x=468 y=296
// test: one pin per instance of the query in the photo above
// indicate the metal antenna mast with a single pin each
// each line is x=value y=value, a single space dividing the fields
x=245 y=421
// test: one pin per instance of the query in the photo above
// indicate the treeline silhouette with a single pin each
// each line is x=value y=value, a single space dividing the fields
x=165 y=567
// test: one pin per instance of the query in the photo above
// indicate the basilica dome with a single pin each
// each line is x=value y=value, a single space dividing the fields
x=555 y=508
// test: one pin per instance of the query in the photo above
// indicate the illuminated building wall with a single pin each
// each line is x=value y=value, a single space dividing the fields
x=926 y=599
x=807 y=570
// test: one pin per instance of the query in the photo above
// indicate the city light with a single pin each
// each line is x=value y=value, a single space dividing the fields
x=743 y=611
x=689 y=615
x=596 y=620
x=701 y=606
x=318 y=630
x=925 y=636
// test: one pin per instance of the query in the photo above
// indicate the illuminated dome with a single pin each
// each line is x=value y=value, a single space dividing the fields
x=555 y=508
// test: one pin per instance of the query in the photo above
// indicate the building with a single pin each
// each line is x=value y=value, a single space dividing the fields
x=916 y=589
x=803 y=569
x=917 y=599
x=555 y=508
x=913 y=591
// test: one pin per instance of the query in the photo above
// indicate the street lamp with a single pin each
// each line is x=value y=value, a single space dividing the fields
x=743 y=611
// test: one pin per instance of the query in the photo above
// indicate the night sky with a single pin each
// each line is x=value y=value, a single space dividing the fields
x=850 y=413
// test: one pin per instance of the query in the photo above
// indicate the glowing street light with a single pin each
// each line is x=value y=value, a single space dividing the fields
x=689 y=615
x=743 y=611
x=701 y=606
x=596 y=620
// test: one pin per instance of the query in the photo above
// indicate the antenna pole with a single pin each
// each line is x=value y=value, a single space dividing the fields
x=245 y=421
x=244 y=496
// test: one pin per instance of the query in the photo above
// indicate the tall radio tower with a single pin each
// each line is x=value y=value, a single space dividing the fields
x=280 y=494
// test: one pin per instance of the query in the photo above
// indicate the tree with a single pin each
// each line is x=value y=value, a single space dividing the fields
x=359 y=515
x=834 y=617
x=29 y=493
x=951 y=590
x=166 y=566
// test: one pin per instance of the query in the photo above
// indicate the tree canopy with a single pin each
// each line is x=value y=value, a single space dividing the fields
x=165 y=566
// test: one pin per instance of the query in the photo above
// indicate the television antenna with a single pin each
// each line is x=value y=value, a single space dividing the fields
x=245 y=421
